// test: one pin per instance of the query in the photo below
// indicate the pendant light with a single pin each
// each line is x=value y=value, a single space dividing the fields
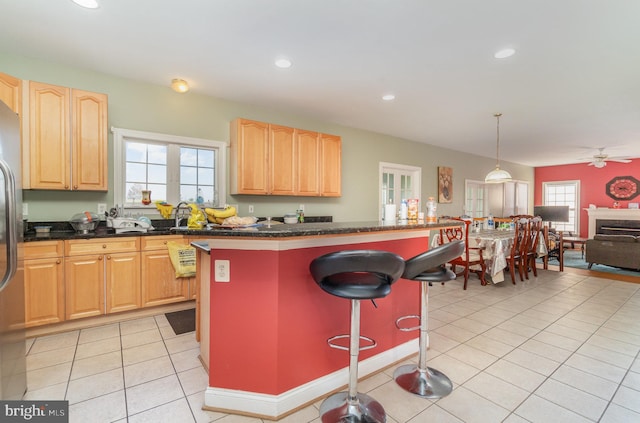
x=497 y=175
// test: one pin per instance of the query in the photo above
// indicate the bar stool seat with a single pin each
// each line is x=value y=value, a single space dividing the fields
x=355 y=275
x=426 y=268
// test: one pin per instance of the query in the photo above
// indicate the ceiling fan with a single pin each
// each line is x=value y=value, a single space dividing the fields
x=600 y=159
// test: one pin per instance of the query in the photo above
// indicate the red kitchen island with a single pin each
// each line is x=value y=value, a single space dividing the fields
x=263 y=323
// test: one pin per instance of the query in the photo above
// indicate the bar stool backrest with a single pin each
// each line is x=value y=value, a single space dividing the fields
x=357 y=274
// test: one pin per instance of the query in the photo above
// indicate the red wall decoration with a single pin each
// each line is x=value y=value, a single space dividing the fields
x=593 y=184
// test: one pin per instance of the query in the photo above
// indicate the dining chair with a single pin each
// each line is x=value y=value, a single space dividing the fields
x=530 y=246
x=554 y=242
x=472 y=256
x=514 y=259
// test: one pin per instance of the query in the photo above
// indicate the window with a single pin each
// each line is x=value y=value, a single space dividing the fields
x=563 y=193
x=398 y=182
x=173 y=168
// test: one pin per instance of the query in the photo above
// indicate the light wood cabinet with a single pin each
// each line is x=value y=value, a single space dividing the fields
x=11 y=92
x=308 y=144
x=66 y=147
x=249 y=154
x=268 y=159
x=282 y=160
x=159 y=282
x=44 y=283
x=330 y=165
x=98 y=266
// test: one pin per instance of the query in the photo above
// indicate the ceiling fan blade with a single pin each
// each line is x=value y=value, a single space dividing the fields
x=619 y=160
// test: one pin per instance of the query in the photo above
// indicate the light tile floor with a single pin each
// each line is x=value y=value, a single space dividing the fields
x=559 y=348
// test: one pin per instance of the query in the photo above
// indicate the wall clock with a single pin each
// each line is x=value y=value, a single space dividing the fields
x=623 y=188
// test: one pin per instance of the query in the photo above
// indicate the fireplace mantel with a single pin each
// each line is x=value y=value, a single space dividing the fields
x=603 y=213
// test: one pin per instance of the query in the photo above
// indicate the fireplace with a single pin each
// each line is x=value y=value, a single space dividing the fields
x=617 y=227
x=626 y=218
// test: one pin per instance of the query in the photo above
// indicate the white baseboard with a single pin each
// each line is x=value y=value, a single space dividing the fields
x=277 y=406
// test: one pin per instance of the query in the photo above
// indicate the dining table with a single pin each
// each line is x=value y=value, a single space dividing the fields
x=496 y=246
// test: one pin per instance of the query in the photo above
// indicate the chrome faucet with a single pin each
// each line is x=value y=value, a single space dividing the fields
x=179 y=216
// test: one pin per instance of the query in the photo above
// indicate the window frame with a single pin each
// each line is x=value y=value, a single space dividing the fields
x=575 y=209
x=121 y=135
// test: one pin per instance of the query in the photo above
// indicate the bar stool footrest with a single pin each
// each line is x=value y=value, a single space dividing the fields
x=332 y=344
x=409 y=329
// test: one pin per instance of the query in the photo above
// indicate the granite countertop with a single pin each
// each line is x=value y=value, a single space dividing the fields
x=278 y=230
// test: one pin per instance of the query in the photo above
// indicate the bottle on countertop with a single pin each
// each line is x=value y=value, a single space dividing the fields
x=432 y=215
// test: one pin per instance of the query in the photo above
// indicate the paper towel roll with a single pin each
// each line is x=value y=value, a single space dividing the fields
x=389 y=212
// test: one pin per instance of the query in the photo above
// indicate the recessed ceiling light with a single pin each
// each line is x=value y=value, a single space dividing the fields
x=89 y=4
x=283 y=63
x=504 y=53
x=388 y=97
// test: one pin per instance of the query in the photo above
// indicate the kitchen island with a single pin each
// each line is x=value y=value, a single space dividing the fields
x=263 y=323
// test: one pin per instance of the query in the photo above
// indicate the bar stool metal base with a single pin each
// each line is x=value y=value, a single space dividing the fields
x=427 y=384
x=336 y=409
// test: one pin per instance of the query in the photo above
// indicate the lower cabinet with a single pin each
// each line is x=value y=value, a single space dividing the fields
x=159 y=282
x=96 y=267
x=74 y=279
x=44 y=283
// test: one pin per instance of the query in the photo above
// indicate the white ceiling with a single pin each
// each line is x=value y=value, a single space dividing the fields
x=572 y=86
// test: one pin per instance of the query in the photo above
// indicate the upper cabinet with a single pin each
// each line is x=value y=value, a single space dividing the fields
x=268 y=159
x=66 y=146
x=10 y=91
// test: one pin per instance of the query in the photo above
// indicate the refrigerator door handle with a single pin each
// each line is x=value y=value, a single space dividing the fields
x=10 y=224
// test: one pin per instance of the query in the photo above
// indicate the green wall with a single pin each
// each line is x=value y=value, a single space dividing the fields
x=146 y=107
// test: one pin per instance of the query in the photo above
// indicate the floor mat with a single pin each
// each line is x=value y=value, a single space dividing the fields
x=182 y=321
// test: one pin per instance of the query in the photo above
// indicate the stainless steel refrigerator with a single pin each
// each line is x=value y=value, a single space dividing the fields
x=13 y=374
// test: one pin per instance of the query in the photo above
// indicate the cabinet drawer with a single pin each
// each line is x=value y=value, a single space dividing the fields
x=77 y=247
x=43 y=249
x=160 y=242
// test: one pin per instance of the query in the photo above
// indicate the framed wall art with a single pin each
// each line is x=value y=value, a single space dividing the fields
x=623 y=188
x=445 y=184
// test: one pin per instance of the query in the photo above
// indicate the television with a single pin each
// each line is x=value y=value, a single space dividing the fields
x=552 y=213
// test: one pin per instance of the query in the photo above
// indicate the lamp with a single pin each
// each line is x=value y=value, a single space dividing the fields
x=179 y=85
x=497 y=175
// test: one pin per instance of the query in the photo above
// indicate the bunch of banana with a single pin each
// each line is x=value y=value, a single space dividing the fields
x=219 y=215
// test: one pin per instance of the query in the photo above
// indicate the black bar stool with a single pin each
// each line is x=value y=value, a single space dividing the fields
x=426 y=268
x=355 y=275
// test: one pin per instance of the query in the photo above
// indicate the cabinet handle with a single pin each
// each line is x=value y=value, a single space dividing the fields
x=75 y=187
x=104 y=245
x=100 y=258
x=164 y=242
x=58 y=261
x=108 y=257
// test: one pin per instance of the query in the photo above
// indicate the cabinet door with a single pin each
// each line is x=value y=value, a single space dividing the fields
x=122 y=281
x=283 y=160
x=89 y=148
x=84 y=277
x=308 y=146
x=10 y=92
x=49 y=157
x=330 y=165
x=159 y=282
x=249 y=157
x=44 y=291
